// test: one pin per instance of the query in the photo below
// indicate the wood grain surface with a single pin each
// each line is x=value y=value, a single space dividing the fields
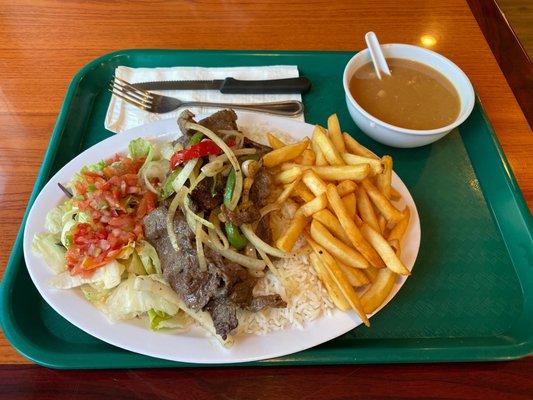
x=506 y=380
x=44 y=43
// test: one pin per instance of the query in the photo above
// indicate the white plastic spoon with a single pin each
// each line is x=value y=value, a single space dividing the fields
x=378 y=59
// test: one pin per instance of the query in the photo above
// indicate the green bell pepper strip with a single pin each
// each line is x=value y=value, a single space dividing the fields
x=234 y=235
x=230 y=187
x=167 y=188
x=196 y=138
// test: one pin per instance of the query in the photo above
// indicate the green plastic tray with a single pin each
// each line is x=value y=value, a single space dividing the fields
x=470 y=297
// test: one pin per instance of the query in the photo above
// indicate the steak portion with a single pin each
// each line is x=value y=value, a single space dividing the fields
x=220 y=290
x=223 y=120
x=219 y=121
x=261 y=148
x=241 y=215
x=207 y=195
x=260 y=190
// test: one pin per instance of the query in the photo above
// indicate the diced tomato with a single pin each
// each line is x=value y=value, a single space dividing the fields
x=116 y=203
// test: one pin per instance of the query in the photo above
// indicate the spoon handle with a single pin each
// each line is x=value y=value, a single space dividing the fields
x=378 y=59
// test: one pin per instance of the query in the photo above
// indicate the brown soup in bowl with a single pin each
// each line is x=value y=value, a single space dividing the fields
x=414 y=96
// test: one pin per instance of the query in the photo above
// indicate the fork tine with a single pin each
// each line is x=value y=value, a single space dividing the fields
x=123 y=83
x=124 y=96
x=118 y=88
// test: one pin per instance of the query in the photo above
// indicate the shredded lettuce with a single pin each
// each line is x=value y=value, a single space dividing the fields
x=83 y=218
x=149 y=258
x=139 y=148
x=96 y=167
x=54 y=220
x=139 y=294
x=49 y=247
x=135 y=265
x=94 y=294
x=160 y=319
x=105 y=277
x=66 y=233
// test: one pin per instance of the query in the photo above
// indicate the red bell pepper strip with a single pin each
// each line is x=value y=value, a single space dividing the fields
x=205 y=148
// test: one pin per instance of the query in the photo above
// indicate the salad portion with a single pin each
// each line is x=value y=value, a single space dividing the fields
x=170 y=232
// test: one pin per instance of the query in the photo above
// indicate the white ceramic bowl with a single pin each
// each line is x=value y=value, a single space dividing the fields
x=401 y=137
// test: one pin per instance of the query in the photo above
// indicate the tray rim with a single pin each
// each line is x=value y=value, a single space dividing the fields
x=318 y=356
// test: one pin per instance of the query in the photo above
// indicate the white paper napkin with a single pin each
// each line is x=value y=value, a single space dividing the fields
x=122 y=116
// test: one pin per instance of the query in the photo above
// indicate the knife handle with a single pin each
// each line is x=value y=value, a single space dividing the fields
x=271 y=86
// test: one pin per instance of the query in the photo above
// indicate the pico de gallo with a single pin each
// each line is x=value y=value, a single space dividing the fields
x=115 y=202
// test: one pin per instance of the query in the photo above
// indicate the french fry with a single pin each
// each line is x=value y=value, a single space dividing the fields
x=394 y=194
x=385 y=207
x=351 y=229
x=346 y=187
x=326 y=146
x=352 y=159
x=289 y=175
x=395 y=244
x=301 y=191
x=313 y=182
x=383 y=180
x=331 y=222
x=380 y=289
x=384 y=249
x=314 y=206
x=349 y=204
x=357 y=148
x=346 y=254
x=339 y=278
x=341 y=173
x=274 y=141
x=355 y=276
x=382 y=222
x=399 y=229
x=320 y=159
x=333 y=290
x=366 y=211
x=372 y=273
x=288 y=190
x=283 y=154
x=335 y=133
x=306 y=158
x=288 y=239
x=334 y=172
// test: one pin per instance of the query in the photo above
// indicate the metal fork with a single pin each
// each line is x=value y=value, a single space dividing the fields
x=159 y=104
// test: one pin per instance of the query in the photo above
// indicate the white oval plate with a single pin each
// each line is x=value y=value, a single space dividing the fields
x=192 y=346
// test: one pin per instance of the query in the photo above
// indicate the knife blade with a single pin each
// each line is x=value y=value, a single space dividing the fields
x=233 y=86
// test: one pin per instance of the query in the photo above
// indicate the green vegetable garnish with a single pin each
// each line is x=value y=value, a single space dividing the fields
x=230 y=187
x=196 y=138
x=235 y=237
x=167 y=189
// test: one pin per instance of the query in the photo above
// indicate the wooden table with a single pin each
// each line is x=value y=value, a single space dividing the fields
x=45 y=42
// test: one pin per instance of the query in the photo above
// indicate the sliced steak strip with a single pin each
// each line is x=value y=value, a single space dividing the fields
x=260 y=190
x=261 y=148
x=241 y=215
x=207 y=195
x=261 y=302
x=223 y=120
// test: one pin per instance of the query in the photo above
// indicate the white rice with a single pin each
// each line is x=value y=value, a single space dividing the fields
x=308 y=301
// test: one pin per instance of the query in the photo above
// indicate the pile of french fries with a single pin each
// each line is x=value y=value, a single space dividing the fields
x=346 y=213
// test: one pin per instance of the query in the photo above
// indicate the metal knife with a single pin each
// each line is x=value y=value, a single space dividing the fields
x=233 y=86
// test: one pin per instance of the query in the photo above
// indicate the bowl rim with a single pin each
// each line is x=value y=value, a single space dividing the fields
x=470 y=100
